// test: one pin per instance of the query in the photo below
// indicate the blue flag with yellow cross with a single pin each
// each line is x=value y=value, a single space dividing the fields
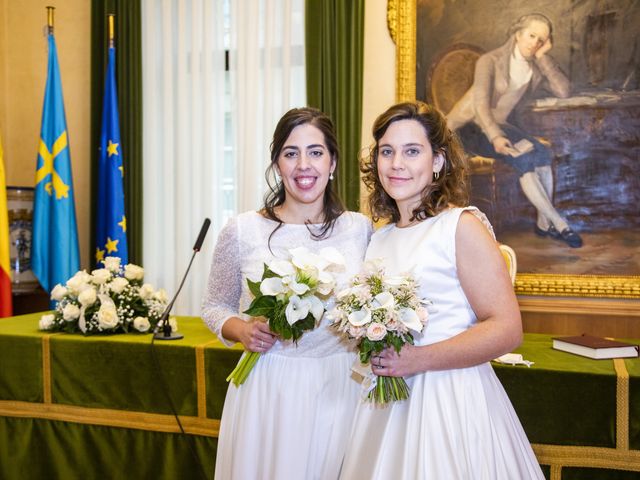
x=55 y=255
x=111 y=225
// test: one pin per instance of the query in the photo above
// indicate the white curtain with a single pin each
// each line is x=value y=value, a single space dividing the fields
x=267 y=79
x=207 y=131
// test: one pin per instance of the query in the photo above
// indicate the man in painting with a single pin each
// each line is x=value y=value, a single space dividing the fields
x=503 y=77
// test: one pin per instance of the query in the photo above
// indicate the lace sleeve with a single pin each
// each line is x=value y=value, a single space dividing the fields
x=483 y=218
x=222 y=297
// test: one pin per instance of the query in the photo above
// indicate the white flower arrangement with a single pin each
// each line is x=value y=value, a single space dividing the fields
x=291 y=297
x=112 y=299
x=378 y=312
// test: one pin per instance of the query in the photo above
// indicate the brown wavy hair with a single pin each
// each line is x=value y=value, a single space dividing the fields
x=276 y=195
x=450 y=189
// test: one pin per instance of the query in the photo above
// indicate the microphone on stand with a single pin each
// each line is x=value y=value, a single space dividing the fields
x=163 y=323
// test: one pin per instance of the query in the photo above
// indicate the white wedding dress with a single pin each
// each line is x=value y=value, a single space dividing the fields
x=291 y=418
x=457 y=424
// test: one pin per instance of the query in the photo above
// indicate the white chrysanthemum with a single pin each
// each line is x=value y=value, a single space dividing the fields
x=46 y=321
x=133 y=272
x=112 y=263
x=141 y=324
x=70 y=312
x=58 y=292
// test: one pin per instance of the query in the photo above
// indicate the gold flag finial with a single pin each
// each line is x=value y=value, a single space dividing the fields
x=50 y=19
x=111 y=17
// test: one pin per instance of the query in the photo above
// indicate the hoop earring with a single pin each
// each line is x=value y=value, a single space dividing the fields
x=436 y=175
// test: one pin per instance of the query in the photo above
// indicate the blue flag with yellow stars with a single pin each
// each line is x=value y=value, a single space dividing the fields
x=55 y=256
x=111 y=230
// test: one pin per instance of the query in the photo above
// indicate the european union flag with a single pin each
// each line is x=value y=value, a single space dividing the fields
x=55 y=256
x=111 y=234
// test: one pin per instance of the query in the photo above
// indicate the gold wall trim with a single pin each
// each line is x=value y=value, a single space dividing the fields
x=201 y=379
x=153 y=422
x=580 y=306
x=403 y=15
x=589 y=457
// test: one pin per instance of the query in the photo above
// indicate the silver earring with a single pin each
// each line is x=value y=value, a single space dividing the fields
x=436 y=175
x=331 y=176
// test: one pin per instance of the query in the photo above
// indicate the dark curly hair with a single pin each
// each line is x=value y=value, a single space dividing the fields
x=450 y=189
x=276 y=195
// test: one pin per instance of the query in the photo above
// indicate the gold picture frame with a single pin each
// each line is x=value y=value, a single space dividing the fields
x=401 y=20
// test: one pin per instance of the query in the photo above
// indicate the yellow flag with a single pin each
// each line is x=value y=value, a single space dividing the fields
x=5 y=276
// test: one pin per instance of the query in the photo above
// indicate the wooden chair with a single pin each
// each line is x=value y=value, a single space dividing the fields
x=450 y=76
x=510 y=259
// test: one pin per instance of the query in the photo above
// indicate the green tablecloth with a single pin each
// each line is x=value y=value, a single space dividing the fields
x=95 y=407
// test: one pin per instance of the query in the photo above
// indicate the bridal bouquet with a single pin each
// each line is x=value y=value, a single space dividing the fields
x=380 y=311
x=290 y=296
x=112 y=299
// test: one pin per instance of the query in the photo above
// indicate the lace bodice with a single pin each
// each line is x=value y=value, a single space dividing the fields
x=240 y=253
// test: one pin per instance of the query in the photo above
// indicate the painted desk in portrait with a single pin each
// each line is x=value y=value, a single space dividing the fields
x=94 y=407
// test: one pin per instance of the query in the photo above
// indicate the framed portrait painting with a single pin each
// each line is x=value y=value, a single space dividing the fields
x=545 y=97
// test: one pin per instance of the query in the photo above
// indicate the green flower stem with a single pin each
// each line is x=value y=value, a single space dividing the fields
x=243 y=368
x=389 y=389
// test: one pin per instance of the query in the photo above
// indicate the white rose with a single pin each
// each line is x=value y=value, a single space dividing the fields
x=161 y=295
x=133 y=272
x=112 y=263
x=107 y=317
x=146 y=291
x=46 y=321
x=78 y=281
x=173 y=323
x=356 y=332
x=118 y=284
x=141 y=324
x=87 y=296
x=100 y=276
x=58 y=292
x=376 y=331
x=70 y=312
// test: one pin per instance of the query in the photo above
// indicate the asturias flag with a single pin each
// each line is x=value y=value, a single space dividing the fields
x=5 y=277
x=55 y=255
x=111 y=230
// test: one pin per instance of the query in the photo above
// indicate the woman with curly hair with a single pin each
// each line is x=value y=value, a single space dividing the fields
x=458 y=421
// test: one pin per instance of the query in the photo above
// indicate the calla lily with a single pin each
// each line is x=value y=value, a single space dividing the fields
x=394 y=281
x=316 y=307
x=297 y=309
x=282 y=267
x=383 y=300
x=360 y=317
x=410 y=318
x=272 y=286
x=332 y=255
x=298 y=288
x=305 y=260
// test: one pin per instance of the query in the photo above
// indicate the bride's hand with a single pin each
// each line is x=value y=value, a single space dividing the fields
x=256 y=336
x=390 y=363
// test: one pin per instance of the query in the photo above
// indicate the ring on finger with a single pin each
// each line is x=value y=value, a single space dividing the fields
x=261 y=344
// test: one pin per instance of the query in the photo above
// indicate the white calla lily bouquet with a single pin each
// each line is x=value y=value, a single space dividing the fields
x=379 y=311
x=112 y=299
x=291 y=295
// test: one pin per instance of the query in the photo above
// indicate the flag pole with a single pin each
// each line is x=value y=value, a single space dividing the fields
x=50 y=19
x=111 y=17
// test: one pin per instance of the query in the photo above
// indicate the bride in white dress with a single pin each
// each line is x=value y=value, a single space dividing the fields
x=458 y=422
x=290 y=419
